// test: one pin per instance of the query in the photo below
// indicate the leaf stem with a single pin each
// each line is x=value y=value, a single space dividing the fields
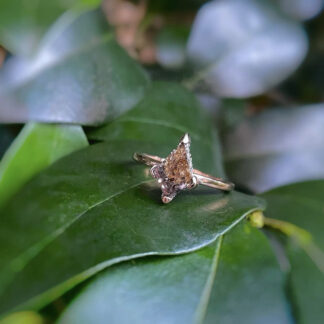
x=204 y=299
x=303 y=238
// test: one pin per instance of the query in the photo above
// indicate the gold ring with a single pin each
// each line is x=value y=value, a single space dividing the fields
x=175 y=173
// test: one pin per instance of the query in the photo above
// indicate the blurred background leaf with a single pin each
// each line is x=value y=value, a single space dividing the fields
x=96 y=207
x=244 y=48
x=171 y=46
x=276 y=147
x=302 y=205
x=36 y=147
x=23 y=23
x=301 y=9
x=307 y=84
x=214 y=284
x=91 y=79
x=26 y=317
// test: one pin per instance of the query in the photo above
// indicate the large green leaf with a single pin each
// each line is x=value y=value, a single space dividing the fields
x=302 y=205
x=276 y=147
x=23 y=23
x=250 y=284
x=234 y=45
x=96 y=207
x=235 y=280
x=36 y=147
x=80 y=75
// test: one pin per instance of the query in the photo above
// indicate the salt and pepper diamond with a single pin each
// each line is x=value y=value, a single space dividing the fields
x=175 y=172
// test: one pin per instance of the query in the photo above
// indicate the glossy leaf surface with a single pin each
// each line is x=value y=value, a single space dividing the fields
x=156 y=120
x=276 y=147
x=36 y=147
x=97 y=207
x=213 y=285
x=302 y=205
x=90 y=80
x=234 y=45
x=23 y=23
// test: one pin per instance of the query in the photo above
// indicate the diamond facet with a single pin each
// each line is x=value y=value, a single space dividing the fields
x=175 y=173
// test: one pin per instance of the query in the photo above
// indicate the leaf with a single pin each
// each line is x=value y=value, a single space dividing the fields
x=234 y=45
x=80 y=75
x=157 y=116
x=235 y=280
x=250 y=285
x=23 y=23
x=302 y=205
x=96 y=207
x=36 y=147
x=171 y=47
x=306 y=286
x=301 y=9
x=23 y=318
x=276 y=147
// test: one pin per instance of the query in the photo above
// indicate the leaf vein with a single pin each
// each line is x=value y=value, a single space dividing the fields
x=205 y=296
x=23 y=259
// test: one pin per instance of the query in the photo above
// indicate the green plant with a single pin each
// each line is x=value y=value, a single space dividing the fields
x=84 y=237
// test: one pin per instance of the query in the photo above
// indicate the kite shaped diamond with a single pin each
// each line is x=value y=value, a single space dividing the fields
x=175 y=173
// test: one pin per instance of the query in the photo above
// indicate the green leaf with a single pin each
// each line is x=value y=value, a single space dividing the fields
x=250 y=284
x=238 y=56
x=302 y=205
x=23 y=318
x=235 y=280
x=276 y=147
x=96 y=207
x=171 y=47
x=80 y=76
x=23 y=23
x=166 y=113
x=36 y=147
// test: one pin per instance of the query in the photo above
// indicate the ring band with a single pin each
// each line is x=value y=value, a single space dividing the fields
x=175 y=172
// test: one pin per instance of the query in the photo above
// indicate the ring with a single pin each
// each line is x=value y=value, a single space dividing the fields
x=175 y=173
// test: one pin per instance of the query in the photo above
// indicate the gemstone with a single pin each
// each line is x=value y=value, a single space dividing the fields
x=177 y=166
x=175 y=173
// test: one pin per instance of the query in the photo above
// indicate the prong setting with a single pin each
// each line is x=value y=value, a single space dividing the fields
x=166 y=199
x=185 y=139
x=194 y=182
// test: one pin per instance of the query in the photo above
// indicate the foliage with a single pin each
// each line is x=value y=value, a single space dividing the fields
x=84 y=236
x=37 y=146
